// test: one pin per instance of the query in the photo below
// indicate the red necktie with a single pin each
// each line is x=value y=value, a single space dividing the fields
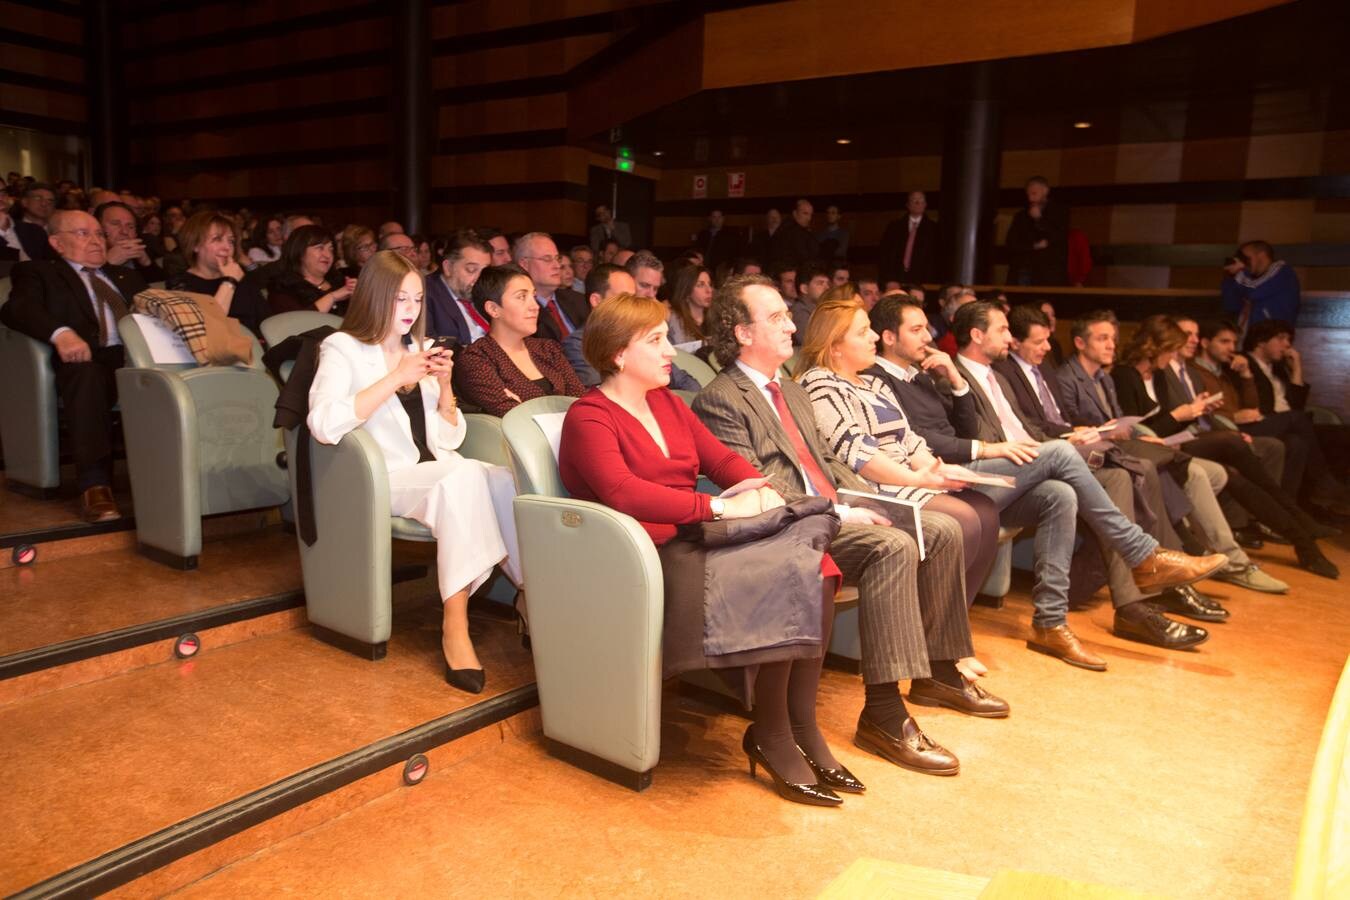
x=473 y=314
x=909 y=245
x=818 y=479
x=552 y=310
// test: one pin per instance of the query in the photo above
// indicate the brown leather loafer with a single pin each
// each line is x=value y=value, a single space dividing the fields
x=1061 y=643
x=970 y=698
x=97 y=505
x=911 y=750
x=1170 y=568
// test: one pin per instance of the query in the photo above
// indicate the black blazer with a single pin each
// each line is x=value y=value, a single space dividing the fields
x=33 y=237
x=922 y=262
x=48 y=294
x=946 y=422
x=1024 y=397
x=1135 y=401
x=792 y=247
x=722 y=247
x=1028 y=265
x=574 y=306
x=444 y=317
x=1296 y=394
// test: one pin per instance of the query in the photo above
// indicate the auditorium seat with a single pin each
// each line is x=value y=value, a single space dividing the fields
x=697 y=368
x=199 y=442
x=28 y=410
x=348 y=570
x=596 y=608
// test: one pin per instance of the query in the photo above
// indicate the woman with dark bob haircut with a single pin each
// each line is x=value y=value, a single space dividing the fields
x=757 y=612
x=306 y=279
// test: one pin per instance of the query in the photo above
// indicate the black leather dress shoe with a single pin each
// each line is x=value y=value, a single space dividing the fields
x=1271 y=536
x=970 y=698
x=1249 y=538
x=1187 y=601
x=1149 y=626
x=911 y=749
x=838 y=779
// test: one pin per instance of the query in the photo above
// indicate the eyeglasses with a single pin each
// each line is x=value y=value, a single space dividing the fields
x=84 y=234
x=546 y=260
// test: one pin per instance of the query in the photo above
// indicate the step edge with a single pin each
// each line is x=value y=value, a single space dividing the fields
x=25 y=662
x=130 y=861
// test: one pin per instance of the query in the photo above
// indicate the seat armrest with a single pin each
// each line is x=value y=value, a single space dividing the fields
x=160 y=426
x=28 y=415
x=596 y=606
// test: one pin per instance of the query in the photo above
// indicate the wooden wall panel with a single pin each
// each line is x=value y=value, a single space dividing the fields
x=316 y=178
x=554 y=216
x=476 y=16
x=180 y=25
x=47 y=63
x=54 y=25
x=306 y=143
x=47 y=104
x=1157 y=17
x=548 y=111
x=282 y=94
x=532 y=60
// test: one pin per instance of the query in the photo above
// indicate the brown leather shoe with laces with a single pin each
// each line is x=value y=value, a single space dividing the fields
x=1061 y=643
x=1170 y=568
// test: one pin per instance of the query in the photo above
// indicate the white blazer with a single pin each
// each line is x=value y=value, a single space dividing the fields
x=347 y=367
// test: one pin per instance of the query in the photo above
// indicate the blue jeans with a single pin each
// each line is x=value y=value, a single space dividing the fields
x=1052 y=491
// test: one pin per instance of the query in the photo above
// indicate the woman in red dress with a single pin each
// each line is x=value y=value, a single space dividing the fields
x=634 y=446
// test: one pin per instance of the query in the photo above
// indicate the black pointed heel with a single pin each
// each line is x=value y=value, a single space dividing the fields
x=469 y=680
x=840 y=779
x=810 y=794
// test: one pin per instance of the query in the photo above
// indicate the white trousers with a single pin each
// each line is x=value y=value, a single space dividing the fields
x=467 y=505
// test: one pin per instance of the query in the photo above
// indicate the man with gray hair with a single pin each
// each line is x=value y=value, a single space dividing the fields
x=562 y=310
x=647 y=271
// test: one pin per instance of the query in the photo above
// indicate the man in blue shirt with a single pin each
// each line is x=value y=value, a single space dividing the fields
x=1262 y=288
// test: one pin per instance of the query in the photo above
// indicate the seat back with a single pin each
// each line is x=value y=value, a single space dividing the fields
x=28 y=410
x=697 y=368
x=276 y=329
x=532 y=456
x=139 y=355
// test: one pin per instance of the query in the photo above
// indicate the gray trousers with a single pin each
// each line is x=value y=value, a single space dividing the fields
x=1052 y=491
x=909 y=612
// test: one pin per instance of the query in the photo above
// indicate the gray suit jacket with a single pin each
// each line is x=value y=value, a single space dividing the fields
x=991 y=430
x=737 y=413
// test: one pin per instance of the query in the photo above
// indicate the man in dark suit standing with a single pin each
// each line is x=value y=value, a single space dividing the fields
x=607 y=229
x=793 y=245
x=914 y=624
x=718 y=242
x=562 y=310
x=1038 y=239
x=73 y=302
x=450 y=310
x=908 y=250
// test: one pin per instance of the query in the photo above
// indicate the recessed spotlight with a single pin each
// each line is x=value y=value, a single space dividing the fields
x=842 y=141
x=1082 y=125
x=658 y=153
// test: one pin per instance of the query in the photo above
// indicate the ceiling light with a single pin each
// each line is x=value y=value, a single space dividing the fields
x=843 y=141
x=658 y=153
x=1082 y=125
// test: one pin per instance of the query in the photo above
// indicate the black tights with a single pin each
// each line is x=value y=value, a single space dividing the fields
x=785 y=707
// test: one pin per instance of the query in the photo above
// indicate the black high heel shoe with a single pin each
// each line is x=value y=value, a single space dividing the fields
x=810 y=794
x=840 y=779
x=469 y=680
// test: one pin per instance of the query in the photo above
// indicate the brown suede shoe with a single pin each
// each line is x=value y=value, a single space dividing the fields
x=97 y=505
x=1170 y=568
x=912 y=749
x=1061 y=643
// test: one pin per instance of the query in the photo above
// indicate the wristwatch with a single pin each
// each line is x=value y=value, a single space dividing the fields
x=230 y=279
x=719 y=508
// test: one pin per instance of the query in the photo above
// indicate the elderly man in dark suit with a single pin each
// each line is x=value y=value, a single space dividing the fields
x=913 y=615
x=561 y=309
x=73 y=302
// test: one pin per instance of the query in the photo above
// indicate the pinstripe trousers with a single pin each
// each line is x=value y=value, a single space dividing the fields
x=908 y=612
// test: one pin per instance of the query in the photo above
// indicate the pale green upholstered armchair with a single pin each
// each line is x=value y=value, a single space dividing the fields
x=199 y=442
x=28 y=411
x=697 y=368
x=596 y=607
x=348 y=570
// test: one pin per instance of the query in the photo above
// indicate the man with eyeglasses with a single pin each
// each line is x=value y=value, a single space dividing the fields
x=74 y=303
x=562 y=310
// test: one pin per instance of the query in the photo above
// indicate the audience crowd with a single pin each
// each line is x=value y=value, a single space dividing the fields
x=1144 y=462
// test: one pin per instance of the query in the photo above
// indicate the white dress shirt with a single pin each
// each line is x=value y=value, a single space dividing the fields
x=1012 y=426
x=1276 y=384
x=10 y=235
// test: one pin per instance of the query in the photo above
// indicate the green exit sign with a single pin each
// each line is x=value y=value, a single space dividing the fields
x=623 y=165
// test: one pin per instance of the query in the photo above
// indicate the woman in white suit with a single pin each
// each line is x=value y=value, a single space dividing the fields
x=379 y=373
